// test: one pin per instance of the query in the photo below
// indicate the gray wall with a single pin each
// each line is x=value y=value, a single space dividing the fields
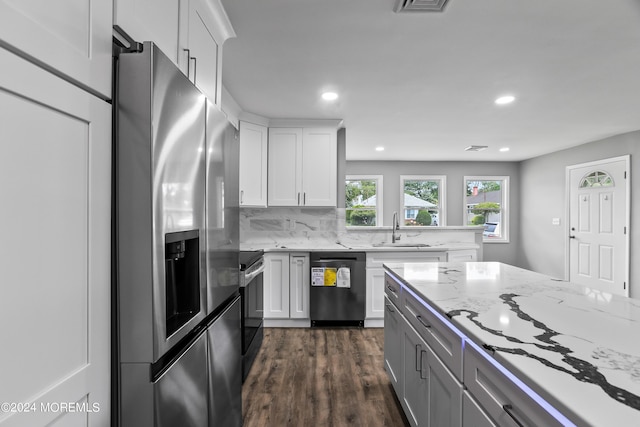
x=455 y=173
x=541 y=246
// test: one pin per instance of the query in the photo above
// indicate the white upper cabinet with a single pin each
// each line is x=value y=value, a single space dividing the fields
x=253 y=164
x=285 y=166
x=302 y=167
x=150 y=20
x=319 y=167
x=41 y=31
x=204 y=27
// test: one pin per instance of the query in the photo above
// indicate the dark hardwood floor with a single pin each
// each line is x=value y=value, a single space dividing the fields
x=320 y=377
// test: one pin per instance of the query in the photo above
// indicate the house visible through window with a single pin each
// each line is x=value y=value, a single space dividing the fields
x=486 y=201
x=363 y=200
x=422 y=200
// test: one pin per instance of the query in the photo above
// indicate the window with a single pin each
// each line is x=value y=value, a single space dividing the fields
x=363 y=200
x=486 y=203
x=597 y=179
x=422 y=200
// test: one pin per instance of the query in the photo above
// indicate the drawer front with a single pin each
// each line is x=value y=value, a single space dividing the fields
x=500 y=397
x=377 y=259
x=444 y=341
x=472 y=414
x=392 y=290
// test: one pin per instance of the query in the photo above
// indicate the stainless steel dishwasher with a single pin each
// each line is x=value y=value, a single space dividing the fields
x=338 y=288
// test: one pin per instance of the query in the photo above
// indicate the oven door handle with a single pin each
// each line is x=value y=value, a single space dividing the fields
x=249 y=277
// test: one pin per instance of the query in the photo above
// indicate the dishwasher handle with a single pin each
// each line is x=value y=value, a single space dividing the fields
x=323 y=260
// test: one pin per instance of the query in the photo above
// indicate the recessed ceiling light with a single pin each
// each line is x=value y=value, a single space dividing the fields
x=379 y=148
x=504 y=149
x=507 y=99
x=329 y=96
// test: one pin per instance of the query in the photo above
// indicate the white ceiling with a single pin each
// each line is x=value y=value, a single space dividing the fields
x=423 y=84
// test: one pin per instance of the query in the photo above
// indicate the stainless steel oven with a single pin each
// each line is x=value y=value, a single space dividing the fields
x=251 y=293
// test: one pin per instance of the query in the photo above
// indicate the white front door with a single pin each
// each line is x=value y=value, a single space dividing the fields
x=598 y=224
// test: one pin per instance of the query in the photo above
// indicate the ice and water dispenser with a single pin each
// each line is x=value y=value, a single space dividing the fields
x=182 y=278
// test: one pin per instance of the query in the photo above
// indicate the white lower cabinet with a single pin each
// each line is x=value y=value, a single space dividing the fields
x=375 y=311
x=442 y=378
x=286 y=289
x=428 y=391
x=299 y=283
x=500 y=397
x=393 y=344
x=276 y=286
x=431 y=394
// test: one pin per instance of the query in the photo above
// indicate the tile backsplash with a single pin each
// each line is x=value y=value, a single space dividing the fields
x=325 y=227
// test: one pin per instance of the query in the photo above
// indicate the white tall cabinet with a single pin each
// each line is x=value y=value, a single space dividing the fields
x=55 y=162
x=302 y=167
x=42 y=30
x=253 y=164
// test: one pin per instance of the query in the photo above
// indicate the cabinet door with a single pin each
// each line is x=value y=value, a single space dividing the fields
x=319 y=167
x=445 y=392
x=432 y=395
x=72 y=37
x=393 y=336
x=299 y=286
x=276 y=286
x=253 y=165
x=150 y=20
x=55 y=159
x=285 y=166
x=200 y=49
x=415 y=390
x=375 y=293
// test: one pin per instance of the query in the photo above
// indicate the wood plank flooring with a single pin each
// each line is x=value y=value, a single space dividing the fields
x=330 y=377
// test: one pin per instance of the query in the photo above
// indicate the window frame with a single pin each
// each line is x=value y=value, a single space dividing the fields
x=504 y=205
x=379 y=199
x=442 y=192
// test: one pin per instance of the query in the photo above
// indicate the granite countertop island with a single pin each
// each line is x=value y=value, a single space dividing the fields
x=576 y=347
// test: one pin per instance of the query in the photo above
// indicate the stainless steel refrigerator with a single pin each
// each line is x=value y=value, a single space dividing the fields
x=176 y=303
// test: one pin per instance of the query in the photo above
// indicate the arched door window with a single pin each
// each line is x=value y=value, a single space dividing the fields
x=597 y=179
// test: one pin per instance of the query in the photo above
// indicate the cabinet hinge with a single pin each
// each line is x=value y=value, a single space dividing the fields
x=625 y=230
x=624 y=285
x=625 y=174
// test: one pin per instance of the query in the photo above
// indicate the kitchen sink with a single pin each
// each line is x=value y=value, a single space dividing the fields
x=400 y=245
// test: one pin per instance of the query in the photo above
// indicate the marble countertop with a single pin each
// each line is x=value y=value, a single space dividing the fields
x=577 y=347
x=306 y=246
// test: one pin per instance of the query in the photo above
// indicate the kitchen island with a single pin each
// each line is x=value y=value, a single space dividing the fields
x=492 y=344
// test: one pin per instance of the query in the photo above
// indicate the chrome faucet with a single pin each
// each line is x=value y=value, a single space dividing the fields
x=395 y=226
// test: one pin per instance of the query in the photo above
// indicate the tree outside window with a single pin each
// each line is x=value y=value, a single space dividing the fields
x=363 y=201
x=422 y=200
x=486 y=204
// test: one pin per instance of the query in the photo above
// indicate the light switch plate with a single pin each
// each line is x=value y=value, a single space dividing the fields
x=555 y=221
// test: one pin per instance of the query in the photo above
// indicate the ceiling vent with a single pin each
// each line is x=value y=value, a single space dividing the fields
x=420 y=5
x=476 y=148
